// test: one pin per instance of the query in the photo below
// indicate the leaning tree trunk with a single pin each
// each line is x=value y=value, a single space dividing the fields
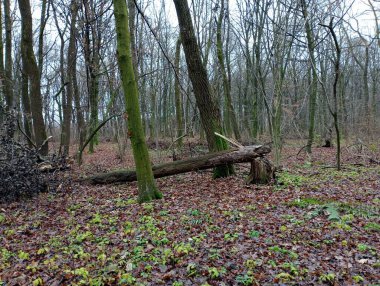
x=262 y=170
x=208 y=109
x=31 y=69
x=146 y=184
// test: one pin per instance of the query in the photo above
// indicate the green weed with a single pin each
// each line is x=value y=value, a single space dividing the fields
x=372 y=226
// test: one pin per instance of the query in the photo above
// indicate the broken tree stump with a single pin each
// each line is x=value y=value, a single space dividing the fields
x=262 y=171
x=211 y=160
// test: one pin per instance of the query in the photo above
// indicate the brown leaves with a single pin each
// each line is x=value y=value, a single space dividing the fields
x=244 y=233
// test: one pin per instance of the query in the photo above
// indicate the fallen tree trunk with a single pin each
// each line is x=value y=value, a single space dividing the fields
x=211 y=160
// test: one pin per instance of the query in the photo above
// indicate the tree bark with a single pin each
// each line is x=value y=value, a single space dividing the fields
x=178 y=96
x=208 y=109
x=2 y=73
x=31 y=69
x=146 y=184
x=92 y=58
x=8 y=87
x=211 y=160
x=71 y=61
x=314 y=83
x=43 y=21
x=230 y=116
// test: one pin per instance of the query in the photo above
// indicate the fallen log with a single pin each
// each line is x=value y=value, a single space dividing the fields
x=211 y=160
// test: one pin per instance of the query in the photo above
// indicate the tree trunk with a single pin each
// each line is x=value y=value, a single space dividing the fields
x=31 y=69
x=26 y=106
x=146 y=184
x=71 y=55
x=337 y=72
x=43 y=21
x=262 y=171
x=2 y=73
x=211 y=160
x=92 y=58
x=178 y=97
x=314 y=83
x=208 y=109
x=230 y=116
x=8 y=85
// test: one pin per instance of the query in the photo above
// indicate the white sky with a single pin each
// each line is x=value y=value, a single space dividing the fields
x=360 y=10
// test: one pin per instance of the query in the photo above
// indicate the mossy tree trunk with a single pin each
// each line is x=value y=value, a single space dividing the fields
x=146 y=184
x=314 y=82
x=208 y=109
x=32 y=70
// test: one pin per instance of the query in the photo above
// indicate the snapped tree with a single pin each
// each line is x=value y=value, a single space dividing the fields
x=145 y=180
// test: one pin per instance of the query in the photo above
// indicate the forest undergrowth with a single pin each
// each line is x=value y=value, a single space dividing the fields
x=314 y=226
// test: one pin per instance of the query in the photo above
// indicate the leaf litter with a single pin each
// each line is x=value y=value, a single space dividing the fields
x=314 y=226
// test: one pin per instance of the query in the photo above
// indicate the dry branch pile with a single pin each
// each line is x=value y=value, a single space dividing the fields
x=20 y=176
x=23 y=172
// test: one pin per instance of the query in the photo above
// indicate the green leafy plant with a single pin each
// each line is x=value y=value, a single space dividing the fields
x=149 y=207
x=363 y=247
x=215 y=273
x=6 y=254
x=128 y=227
x=23 y=255
x=127 y=279
x=38 y=282
x=291 y=268
x=191 y=269
x=164 y=213
x=284 y=251
x=327 y=278
x=251 y=264
x=74 y=207
x=183 y=248
x=193 y=212
x=286 y=179
x=214 y=254
x=332 y=211
x=372 y=226
x=305 y=202
x=284 y=277
x=9 y=232
x=43 y=250
x=358 y=278
x=254 y=234
x=131 y=202
x=83 y=236
x=231 y=236
x=245 y=279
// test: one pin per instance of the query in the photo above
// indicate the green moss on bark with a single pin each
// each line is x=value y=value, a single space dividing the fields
x=145 y=180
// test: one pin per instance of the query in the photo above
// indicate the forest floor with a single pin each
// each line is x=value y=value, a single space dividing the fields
x=314 y=226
